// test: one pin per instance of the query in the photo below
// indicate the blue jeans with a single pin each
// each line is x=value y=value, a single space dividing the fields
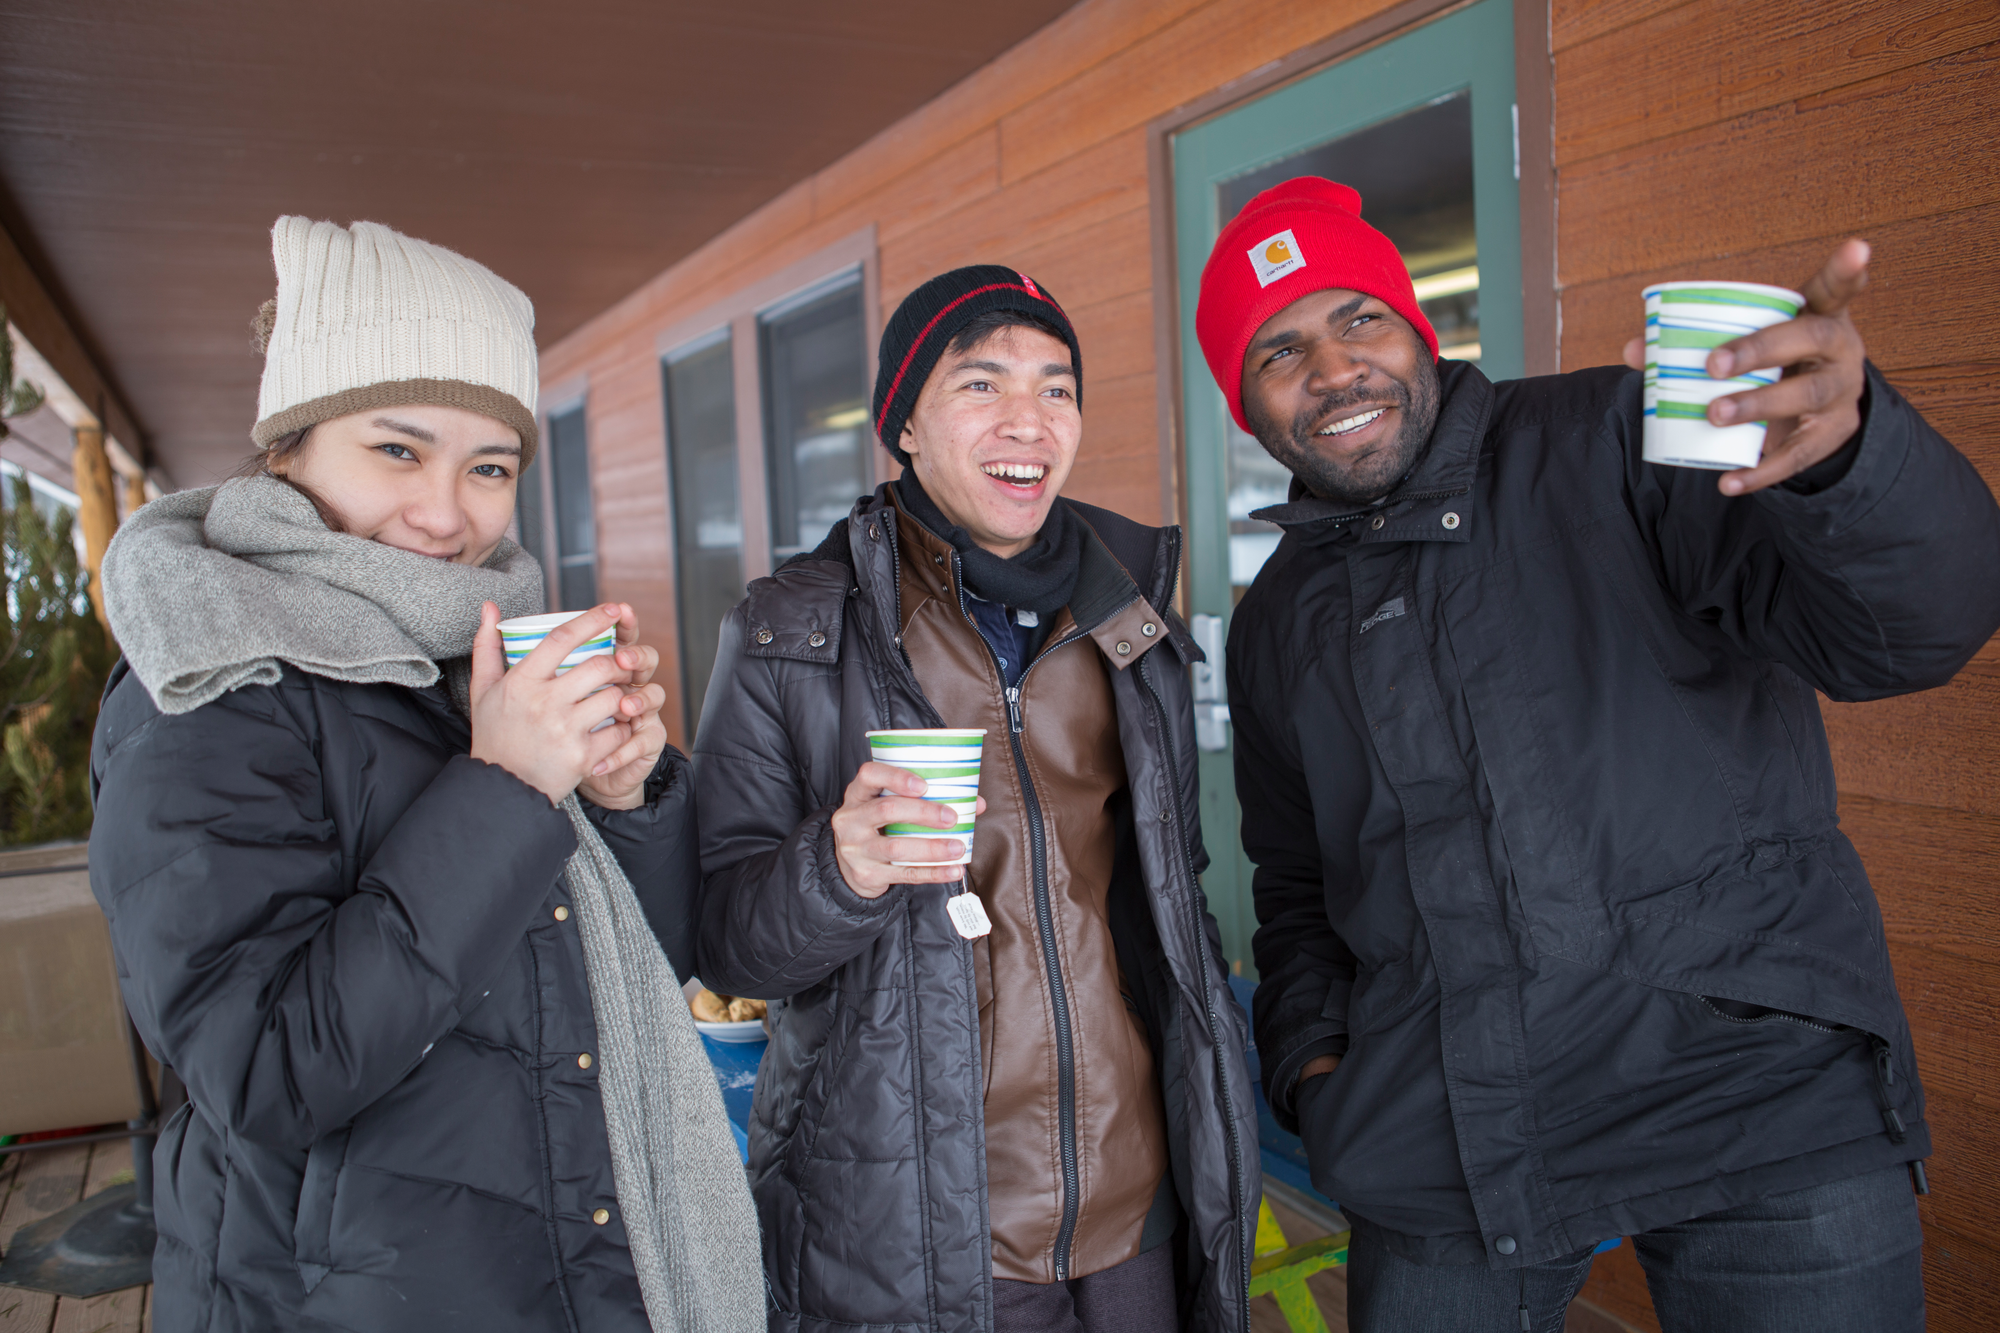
x=1846 y=1257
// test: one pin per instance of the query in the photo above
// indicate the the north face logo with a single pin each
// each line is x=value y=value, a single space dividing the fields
x=1275 y=256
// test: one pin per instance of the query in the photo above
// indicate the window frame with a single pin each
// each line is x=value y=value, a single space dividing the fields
x=536 y=485
x=742 y=313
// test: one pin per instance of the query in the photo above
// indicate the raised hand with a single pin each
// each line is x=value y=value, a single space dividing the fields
x=1816 y=407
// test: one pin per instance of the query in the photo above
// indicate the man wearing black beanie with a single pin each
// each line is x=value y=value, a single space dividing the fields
x=1028 y=1111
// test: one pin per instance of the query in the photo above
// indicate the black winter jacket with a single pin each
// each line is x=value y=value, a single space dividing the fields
x=867 y=1152
x=342 y=932
x=1544 y=818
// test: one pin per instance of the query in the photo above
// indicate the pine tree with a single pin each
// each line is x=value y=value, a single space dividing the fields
x=54 y=656
x=54 y=659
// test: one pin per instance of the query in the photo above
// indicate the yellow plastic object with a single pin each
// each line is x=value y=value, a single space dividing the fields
x=1282 y=1271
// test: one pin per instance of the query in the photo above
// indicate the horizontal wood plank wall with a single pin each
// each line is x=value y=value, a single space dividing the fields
x=1038 y=161
x=1712 y=139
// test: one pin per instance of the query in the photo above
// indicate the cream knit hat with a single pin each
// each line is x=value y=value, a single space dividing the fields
x=367 y=317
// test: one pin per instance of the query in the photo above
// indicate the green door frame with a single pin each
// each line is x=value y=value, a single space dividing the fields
x=1472 y=47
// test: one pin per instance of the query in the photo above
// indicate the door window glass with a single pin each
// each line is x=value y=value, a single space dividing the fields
x=576 y=522
x=816 y=415
x=708 y=520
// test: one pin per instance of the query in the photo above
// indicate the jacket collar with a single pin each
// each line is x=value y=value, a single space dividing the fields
x=1417 y=510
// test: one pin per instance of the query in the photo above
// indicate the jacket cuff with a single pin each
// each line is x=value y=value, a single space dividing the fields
x=1839 y=495
x=1281 y=1081
x=669 y=778
x=827 y=862
x=1833 y=469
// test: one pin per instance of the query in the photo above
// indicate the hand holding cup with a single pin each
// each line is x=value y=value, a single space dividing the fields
x=881 y=795
x=618 y=782
x=1814 y=406
x=541 y=723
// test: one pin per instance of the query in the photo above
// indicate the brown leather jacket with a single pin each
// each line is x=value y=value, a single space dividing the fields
x=1068 y=1072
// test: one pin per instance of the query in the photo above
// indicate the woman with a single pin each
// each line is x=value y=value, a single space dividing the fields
x=373 y=894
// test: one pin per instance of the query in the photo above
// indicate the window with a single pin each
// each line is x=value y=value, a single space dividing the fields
x=576 y=523
x=815 y=374
x=528 y=501
x=768 y=438
x=699 y=385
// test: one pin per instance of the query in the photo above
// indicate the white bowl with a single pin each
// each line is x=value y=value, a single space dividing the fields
x=750 y=1029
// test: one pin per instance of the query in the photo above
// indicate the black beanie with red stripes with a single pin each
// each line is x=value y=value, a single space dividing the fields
x=931 y=316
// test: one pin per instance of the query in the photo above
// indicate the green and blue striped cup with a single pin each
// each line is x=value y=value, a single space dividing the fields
x=947 y=760
x=523 y=634
x=1685 y=321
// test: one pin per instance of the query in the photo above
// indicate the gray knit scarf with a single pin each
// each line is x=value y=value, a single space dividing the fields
x=211 y=590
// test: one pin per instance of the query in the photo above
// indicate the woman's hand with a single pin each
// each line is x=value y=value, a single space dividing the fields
x=538 y=725
x=619 y=782
x=865 y=853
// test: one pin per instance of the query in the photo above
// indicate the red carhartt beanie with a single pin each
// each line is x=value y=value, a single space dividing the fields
x=1293 y=240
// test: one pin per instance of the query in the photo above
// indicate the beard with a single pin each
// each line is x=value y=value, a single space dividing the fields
x=1366 y=479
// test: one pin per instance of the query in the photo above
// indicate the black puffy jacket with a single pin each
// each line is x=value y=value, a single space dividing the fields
x=1544 y=818
x=352 y=941
x=867 y=1150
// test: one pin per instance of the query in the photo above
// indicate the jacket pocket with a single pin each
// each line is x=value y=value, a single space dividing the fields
x=312 y=1233
x=819 y=1086
x=1381 y=997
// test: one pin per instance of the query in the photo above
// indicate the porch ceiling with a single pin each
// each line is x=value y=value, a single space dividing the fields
x=577 y=150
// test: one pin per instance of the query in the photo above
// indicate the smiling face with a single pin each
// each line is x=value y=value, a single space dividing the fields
x=994 y=433
x=1341 y=390
x=436 y=481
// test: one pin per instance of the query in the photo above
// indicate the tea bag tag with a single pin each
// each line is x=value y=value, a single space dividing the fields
x=968 y=915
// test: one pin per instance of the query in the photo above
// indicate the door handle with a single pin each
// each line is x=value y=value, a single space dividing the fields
x=1211 y=689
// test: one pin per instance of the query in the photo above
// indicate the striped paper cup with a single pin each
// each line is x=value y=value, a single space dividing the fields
x=1685 y=321
x=948 y=762
x=521 y=635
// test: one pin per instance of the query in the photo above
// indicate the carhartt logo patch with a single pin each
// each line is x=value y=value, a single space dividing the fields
x=1275 y=256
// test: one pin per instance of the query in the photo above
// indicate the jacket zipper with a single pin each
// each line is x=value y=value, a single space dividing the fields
x=1885 y=1081
x=1045 y=925
x=1775 y=1016
x=1245 y=1248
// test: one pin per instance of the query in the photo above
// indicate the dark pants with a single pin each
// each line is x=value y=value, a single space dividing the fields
x=1136 y=1296
x=1840 y=1258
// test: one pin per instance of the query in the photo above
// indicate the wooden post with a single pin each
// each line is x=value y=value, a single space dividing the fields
x=97 y=506
x=135 y=492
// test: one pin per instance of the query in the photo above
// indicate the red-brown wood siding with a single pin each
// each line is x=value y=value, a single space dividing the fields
x=1788 y=127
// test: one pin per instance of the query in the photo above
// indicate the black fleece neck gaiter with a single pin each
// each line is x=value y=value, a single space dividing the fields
x=1040 y=579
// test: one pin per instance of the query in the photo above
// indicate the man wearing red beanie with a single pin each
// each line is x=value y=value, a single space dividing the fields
x=1560 y=940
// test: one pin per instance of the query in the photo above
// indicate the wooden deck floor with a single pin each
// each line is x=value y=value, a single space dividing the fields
x=35 y=1184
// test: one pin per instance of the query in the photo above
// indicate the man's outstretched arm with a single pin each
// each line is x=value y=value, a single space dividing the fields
x=1864 y=553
